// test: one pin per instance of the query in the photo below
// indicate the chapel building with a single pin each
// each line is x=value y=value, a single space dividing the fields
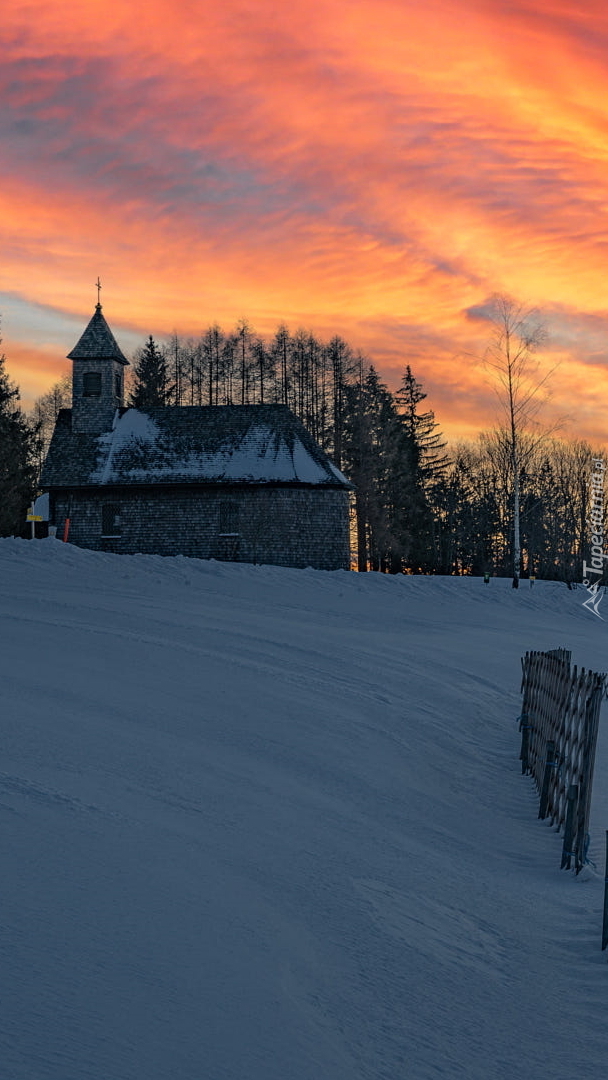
x=244 y=483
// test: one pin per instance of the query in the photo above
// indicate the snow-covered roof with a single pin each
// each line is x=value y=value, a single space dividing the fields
x=235 y=444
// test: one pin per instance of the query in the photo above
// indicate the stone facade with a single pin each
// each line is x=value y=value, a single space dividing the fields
x=284 y=526
x=92 y=412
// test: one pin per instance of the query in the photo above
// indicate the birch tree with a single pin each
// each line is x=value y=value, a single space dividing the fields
x=518 y=333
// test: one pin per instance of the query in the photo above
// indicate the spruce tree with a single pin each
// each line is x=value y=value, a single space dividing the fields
x=152 y=386
x=370 y=425
x=419 y=464
x=18 y=445
x=422 y=429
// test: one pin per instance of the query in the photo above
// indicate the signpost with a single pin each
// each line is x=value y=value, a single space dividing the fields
x=31 y=516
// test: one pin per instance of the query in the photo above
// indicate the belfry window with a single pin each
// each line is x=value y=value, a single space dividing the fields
x=91 y=384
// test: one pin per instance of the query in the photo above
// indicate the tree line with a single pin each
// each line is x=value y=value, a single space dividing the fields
x=514 y=501
x=419 y=506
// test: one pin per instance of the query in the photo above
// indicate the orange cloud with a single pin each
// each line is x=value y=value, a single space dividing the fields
x=373 y=170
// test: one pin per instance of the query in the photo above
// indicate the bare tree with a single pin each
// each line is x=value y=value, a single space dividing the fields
x=518 y=333
x=45 y=411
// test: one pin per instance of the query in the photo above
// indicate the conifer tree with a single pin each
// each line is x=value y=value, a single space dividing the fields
x=419 y=463
x=370 y=425
x=280 y=348
x=151 y=378
x=18 y=450
x=342 y=365
x=422 y=429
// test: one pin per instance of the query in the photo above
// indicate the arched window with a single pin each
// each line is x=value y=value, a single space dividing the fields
x=91 y=384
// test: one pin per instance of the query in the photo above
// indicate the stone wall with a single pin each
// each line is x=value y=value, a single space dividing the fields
x=94 y=415
x=283 y=526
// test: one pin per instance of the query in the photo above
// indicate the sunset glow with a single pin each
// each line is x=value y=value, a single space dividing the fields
x=373 y=169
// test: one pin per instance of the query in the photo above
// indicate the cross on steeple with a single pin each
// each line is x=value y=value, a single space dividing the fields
x=98 y=287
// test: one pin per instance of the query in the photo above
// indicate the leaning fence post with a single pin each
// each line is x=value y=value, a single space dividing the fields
x=549 y=764
x=605 y=923
x=567 y=852
x=524 y=727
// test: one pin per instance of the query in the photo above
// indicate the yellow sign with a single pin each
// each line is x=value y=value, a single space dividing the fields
x=34 y=517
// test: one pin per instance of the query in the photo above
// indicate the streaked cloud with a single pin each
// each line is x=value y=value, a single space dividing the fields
x=374 y=169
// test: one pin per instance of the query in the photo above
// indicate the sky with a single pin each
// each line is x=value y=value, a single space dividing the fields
x=376 y=169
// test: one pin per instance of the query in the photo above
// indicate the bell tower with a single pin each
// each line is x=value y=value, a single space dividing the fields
x=97 y=376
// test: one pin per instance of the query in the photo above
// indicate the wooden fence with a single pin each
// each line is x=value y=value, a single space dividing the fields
x=559 y=724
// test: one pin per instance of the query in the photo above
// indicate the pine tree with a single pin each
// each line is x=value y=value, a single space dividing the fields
x=18 y=451
x=151 y=378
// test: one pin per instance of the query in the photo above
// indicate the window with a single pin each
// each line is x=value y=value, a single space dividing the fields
x=229 y=518
x=91 y=384
x=110 y=520
x=117 y=385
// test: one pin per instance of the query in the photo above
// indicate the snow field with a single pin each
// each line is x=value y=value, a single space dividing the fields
x=264 y=823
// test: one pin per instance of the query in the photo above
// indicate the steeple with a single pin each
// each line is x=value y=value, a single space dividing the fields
x=97 y=376
x=97 y=342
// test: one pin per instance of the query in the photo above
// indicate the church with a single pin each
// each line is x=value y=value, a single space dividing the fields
x=243 y=483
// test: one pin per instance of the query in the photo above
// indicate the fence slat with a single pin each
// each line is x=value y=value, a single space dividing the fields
x=567 y=852
x=550 y=763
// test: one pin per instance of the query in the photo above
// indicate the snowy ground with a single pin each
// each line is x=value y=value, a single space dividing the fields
x=268 y=824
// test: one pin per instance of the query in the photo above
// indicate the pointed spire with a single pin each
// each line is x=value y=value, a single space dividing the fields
x=98 y=341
